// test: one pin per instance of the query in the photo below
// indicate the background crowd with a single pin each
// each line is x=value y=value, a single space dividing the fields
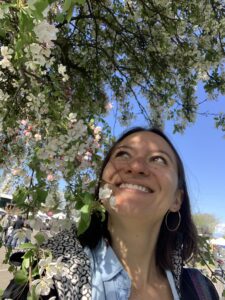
x=16 y=229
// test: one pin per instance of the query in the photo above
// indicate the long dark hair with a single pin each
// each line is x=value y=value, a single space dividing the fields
x=167 y=240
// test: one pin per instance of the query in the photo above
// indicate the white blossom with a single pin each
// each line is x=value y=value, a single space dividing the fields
x=37 y=137
x=45 y=265
x=36 y=223
x=6 y=52
x=38 y=55
x=62 y=71
x=105 y=192
x=50 y=200
x=3 y=96
x=5 y=63
x=87 y=156
x=45 y=32
x=112 y=201
x=1 y=14
x=75 y=215
x=58 y=225
x=72 y=117
x=43 y=285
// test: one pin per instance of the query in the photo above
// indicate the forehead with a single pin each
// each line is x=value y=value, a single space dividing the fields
x=147 y=141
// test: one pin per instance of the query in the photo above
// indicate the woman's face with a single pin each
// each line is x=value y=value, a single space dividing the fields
x=143 y=172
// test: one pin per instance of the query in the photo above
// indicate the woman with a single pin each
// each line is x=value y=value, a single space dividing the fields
x=139 y=250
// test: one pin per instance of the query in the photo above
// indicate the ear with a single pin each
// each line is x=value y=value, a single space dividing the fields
x=176 y=205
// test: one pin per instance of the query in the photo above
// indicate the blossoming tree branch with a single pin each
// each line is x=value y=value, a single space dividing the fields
x=62 y=65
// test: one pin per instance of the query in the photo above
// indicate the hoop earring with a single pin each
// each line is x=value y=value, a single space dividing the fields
x=166 y=221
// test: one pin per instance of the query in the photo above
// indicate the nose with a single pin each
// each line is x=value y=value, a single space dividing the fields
x=138 y=166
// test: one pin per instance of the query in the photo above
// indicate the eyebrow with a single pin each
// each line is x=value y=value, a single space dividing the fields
x=158 y=151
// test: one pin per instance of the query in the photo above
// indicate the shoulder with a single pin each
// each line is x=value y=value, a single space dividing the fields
x=65 y=243
x=200 y=284
x=67 y=246
x=76 y=279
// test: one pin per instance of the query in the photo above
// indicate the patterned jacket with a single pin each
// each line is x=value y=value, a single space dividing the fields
x=76 y=284
x=190 y=283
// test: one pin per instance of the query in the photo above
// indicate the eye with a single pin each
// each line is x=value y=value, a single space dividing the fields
x=159 y=160
x=122 y=153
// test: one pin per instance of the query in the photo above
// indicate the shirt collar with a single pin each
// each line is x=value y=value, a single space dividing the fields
x=109 y=264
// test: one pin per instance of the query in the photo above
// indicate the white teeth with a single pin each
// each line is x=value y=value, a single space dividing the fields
x=134 y=187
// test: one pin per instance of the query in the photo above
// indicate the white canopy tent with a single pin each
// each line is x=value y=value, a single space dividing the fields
x=2 y=211
x=219 y=242
x=60 y=216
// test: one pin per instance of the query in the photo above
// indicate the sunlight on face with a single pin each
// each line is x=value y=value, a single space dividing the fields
x=143 y=171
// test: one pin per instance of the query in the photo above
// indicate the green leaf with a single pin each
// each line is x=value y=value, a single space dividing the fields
x=21 y=277
x=41 y=5
x=79 y=2
x=84 y=223
x=67 y=4
x=79 y=204
x=60 y=18
x=85 y=209
x=20 y=196
x=27 y=259
x=28 y=246
x=32 y=294
x=28 y=254
x=35 y=271
x=88 y=198
x=39 y=237
x=2 y=33
x=70 y=13
x=1 y=293
x=7 y=255
x=223 y=294
x=26 y=263
x=41 y=195
x=85 y=218
x=11 y=269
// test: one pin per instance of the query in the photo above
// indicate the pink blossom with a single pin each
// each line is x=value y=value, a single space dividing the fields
x=96 y=144
x=50 y=177
x=16 y=172
x=108 y=106
x=24 y=122
x=88 y=156
x=97 y=130
x=27 y=133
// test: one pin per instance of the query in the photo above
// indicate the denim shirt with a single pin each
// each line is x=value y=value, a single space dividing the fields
x=109 y=279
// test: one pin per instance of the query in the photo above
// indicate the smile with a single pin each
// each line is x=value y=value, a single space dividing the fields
x=135 y=187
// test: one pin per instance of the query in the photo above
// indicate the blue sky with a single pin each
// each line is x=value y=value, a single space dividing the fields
x=202 y=148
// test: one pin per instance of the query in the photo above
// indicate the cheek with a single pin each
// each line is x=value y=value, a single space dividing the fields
x=169 y=180
x=107 y=173
x=111 y=171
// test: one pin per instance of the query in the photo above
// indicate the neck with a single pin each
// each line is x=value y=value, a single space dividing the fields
x=135 y=246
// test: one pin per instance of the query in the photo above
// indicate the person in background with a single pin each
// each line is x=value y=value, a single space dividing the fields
x=5 y=223
x=19 y=223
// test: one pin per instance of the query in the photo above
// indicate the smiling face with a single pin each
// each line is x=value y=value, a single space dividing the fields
x=143 y=172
